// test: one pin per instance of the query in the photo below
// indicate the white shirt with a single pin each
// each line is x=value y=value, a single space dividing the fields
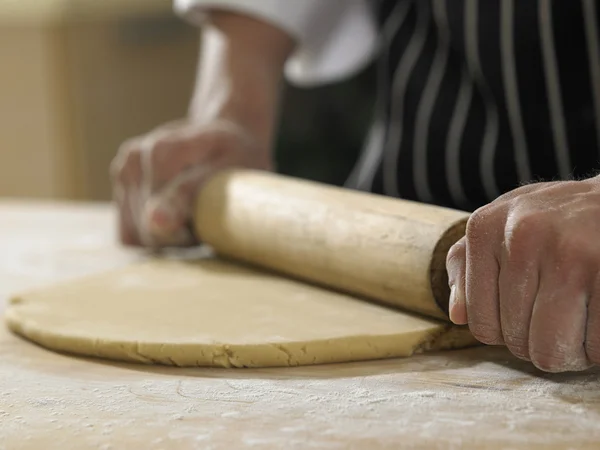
x=336 y=38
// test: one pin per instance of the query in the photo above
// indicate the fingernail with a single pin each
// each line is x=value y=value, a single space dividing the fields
x=457 y=307
x=160 y=220
x=452 y=300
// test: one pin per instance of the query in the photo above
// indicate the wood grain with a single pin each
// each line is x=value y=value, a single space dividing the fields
x=388 y=250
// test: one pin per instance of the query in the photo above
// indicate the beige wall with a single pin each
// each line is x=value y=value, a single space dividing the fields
x=70 y=93
x=31 y=132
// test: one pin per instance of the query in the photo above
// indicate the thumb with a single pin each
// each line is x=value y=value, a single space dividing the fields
x=456 y=267
x=168 y=212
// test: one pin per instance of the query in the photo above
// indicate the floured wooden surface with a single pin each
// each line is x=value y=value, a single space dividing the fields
x=477 y=398
x=41 y=243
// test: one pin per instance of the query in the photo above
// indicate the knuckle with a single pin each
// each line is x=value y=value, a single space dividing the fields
x=127 y=156
x=129 y=148
x=476 y=223
x=522 y=235
x=162 y=149
x=522 y=228
x=457 y=251
x=164 y=144
x=481 y=222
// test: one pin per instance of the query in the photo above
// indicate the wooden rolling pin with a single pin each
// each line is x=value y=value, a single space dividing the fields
x=388 y=250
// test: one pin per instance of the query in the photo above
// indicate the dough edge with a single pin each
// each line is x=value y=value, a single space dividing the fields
x=221 y=355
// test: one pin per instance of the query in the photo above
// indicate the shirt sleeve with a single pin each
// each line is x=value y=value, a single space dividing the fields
x=336 y=38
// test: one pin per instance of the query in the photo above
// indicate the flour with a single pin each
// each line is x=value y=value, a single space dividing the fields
x=193 y=408
x=447 y=401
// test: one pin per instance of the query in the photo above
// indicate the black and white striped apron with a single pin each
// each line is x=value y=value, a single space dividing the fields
x=477 y=97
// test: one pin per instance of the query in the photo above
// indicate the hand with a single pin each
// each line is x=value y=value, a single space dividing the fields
x=527 y=274
x=230 y=124
x=156 y=177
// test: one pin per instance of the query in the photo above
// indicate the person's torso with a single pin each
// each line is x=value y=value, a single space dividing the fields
x=480 y=96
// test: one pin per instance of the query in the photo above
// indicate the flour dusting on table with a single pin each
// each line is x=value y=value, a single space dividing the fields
x=466 y=399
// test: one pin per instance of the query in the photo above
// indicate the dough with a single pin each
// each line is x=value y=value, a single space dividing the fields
x=214 y=313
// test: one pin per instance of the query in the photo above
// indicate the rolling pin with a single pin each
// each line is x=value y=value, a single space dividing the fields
x=384 y=249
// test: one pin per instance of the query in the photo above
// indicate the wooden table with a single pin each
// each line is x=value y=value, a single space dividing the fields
x=477 y=398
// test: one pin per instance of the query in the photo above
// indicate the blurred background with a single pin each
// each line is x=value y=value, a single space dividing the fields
x=78 y=77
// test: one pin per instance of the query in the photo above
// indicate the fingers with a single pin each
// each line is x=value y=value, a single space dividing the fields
x=456 y=265
x=168 y=213
x=178 y=166
x=154 y=179
x=518 y=281
x=517 y=299
x=592 y=338
x=558 y=326
x=529 y=269
x=483 y=238
x=125 y=172
x=561 y=262
x=127 y=228
x=172 y=153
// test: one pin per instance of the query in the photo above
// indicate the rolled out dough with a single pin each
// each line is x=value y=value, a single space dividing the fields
x=214 y=313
